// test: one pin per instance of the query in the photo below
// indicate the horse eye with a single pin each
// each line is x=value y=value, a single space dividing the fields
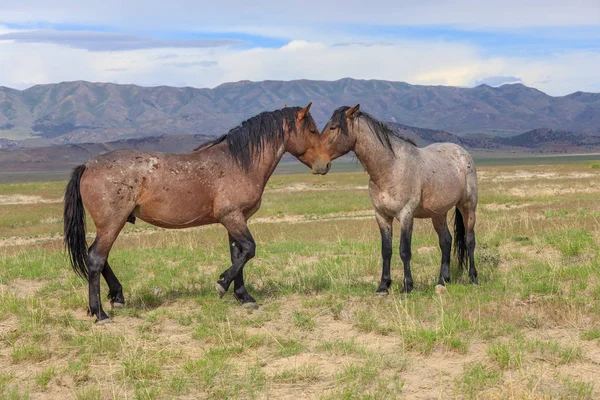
x=331 y=128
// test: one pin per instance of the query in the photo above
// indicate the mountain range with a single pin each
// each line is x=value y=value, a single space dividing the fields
x=80 y=112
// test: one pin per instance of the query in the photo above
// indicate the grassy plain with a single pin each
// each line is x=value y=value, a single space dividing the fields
x=530 y=329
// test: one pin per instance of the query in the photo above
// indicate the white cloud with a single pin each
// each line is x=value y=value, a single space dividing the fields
x=497 y=80
x=415 y=62
x=108 y=41
x=327 y=40
x=204 y=14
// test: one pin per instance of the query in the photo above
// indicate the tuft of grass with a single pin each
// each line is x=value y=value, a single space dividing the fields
x=289 y=347
x=591 y=334
x=79 y=369
x=577 y=390
x=524 y=240
x=213 y=366
x=304 y=374
x=476 y=378
x=367 y=322
x=572 y=242
x=553 y=352
x=29 y=352
x=5 y=379
x=505 y=355
x=342 y=347
x=145 y=390
x=179 y=385
x=365 y=380
x=514 y=354
x=43 y=379
x=421 y=340
x=139 y=365
x=362 y=374
x=91 y=392
x=303 y=320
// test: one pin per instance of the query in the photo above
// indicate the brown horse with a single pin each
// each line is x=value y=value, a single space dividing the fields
x=408 y=182
x=220 y=182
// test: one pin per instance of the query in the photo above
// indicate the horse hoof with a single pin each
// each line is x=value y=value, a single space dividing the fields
x=382 y=294
x=440 y=289
x=221 y=290
x=117 y=305
x=103 y=321
x=251 y=305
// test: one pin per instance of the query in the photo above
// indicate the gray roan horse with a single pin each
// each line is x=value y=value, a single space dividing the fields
x=220 y=182
x=408 y=182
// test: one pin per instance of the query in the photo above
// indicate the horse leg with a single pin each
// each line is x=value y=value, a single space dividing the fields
x=469 y=221
x=385 y=228
x=406 y=227
x=239 y=290
x=440 y=224
x=115 y=290
x=96 y=262
x=238 y=230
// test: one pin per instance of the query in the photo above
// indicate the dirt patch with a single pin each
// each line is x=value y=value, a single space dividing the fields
x=531 y=175
x=8 y=325
x=427 y=249
x=302 y=187
x=366 y=214
x=297 y=261
x=50 y=221
x=22 y=288
x=551 y=190
x=325 y=364
x=25 y=199
x=503 y=207
x=21 y=241
x=434 y=376
x=527 y=253
x=293 y=219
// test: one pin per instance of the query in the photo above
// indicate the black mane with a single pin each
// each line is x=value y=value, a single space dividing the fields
x=383 y=132
x=247 y=141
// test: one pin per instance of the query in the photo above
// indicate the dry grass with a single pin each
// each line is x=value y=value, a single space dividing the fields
x=529 y=330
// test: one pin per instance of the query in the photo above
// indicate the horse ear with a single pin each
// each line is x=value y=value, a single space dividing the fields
x=304 y=112
x=351 y=113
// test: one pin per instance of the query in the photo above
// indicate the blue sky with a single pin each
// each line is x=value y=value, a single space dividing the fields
x=551 y=45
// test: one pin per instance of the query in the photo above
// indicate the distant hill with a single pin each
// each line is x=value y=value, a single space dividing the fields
x=65 y=157
x=543 y=140
x=554 y=141
x=78 y=112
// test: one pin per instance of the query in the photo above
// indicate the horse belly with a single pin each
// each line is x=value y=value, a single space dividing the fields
x=173 y=218
x=175 y=209
x=439 y=197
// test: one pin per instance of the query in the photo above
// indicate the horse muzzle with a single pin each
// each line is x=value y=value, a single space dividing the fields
x=321 y=169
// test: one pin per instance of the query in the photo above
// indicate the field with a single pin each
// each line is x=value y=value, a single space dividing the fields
x=529 y=330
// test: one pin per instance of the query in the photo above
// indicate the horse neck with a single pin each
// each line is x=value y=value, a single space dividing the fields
x=270 y=157
x=374 y=156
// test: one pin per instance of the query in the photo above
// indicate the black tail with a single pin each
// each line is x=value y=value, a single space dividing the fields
x=460 y=244
x=74 y=220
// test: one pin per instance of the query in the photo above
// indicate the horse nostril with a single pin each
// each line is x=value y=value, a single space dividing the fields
x=328 y=165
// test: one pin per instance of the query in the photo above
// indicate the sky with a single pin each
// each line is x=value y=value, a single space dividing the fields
x=551 y=45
